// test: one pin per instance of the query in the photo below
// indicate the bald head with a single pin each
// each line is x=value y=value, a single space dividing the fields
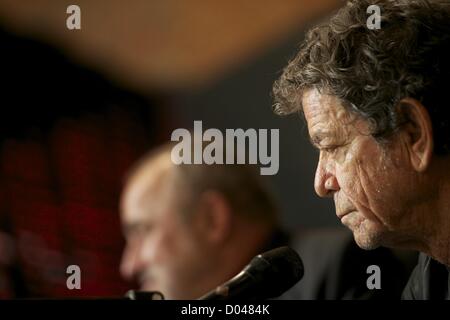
x=148 y=181
x=240 y=185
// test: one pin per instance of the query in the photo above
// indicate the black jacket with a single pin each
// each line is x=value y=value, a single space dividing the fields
x=336 y=268
x=429 y=280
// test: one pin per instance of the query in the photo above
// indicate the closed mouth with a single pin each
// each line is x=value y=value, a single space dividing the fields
x=340 y=216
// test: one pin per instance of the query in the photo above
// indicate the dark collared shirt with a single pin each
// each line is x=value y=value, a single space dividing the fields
x=430 y=280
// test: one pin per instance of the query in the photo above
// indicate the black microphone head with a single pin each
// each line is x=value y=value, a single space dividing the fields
x=267 y=276
x=278 y=270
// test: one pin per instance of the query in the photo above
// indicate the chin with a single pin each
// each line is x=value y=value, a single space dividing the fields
x=366 y=242
x=367 y=235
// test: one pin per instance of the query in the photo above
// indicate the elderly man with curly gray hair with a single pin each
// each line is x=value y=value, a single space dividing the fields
x=376 y=104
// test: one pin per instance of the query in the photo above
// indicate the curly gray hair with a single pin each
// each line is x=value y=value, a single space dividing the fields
x=372 y=70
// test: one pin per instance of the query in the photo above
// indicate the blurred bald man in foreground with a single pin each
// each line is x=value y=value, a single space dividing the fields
x=190 y=228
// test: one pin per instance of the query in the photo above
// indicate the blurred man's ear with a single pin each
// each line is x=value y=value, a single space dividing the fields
x=419 y=133
x=214 y=217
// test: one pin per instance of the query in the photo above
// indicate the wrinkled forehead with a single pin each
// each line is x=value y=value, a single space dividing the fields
x=325 y=113
x=319 y=106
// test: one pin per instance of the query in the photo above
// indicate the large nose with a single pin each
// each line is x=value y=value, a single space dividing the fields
x=132 y=262
x=325 y=181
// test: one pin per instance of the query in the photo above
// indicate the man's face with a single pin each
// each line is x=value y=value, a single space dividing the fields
x=162 y=252
x=363 y=177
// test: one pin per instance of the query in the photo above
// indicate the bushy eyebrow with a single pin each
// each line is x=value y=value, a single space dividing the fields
x=136 y=226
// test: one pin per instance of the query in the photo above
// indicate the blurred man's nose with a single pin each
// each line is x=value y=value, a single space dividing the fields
x=131 y=263
x=325 y=182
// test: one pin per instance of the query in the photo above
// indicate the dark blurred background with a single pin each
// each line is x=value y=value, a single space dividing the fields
x=80 y=106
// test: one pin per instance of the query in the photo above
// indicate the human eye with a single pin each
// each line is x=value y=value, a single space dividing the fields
x=145 y=229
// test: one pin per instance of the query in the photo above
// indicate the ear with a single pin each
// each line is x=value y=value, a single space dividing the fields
x=419 y=133
x=214 y=217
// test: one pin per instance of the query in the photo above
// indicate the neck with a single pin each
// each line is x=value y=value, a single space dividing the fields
x=439 y=243
x=436 y=222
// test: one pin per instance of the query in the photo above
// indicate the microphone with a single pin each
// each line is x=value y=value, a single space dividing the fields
x=267 y=276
